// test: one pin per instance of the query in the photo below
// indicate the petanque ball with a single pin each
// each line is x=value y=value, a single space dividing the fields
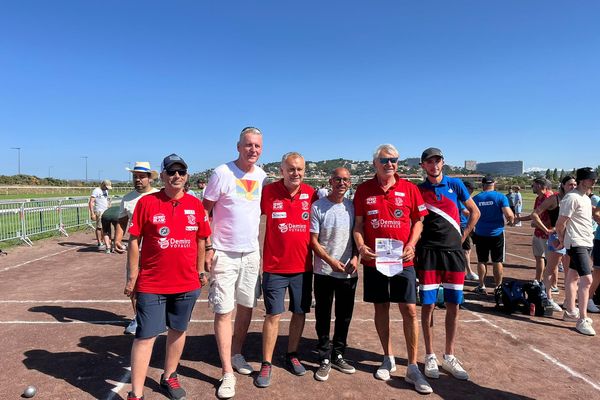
x=30 y=391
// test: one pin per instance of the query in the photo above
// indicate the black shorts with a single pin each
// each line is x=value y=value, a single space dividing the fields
x=379 y=288
x=299 y=287
x=468 y=243
x=487 y=246
x=596 y=253
x=580 y=260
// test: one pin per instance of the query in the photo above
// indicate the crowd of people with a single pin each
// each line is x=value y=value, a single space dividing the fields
x=412 y=240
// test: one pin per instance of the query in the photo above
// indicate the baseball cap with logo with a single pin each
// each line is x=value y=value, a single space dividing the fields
x=431 y=152
x=171 y=160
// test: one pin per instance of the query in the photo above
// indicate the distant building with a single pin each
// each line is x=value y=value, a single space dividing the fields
x=470 y=165
x=413 y=162
x=504 y=168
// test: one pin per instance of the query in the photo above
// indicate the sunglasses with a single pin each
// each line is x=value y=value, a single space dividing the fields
x=385 y=160
x=340 y=179
x=172 y=172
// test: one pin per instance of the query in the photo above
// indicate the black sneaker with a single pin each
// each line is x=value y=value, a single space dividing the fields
x=171 y=387
x=322 y=374
x=342 y=365
x=293 y=364
x=263 y=379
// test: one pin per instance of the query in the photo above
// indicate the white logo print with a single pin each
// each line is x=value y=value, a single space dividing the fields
x=277 y=205
x=283 y=228
x=159 y=219
x=191 y=219
x=163 y=243
x=305 y=205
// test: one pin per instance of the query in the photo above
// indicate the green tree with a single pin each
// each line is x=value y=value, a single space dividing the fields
x=555 y=175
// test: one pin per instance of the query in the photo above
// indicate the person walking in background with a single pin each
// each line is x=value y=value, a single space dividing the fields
x=512 y=197
x=142 y=176
x=489 y=231
x=518 y=203
x=335 y=276
x=99 y=202
x=233 y=254
x=165 y=275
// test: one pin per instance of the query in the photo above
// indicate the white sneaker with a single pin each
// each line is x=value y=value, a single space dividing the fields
x=592 y=307
x=472 y=276
x=452 y=365
x=240 y=365
x=585 y=326
x=555 y=306
x=572 y=316
x=132 y=327
x=387 y=366
x=227 y=387
x=431 y=366
x=415 y=377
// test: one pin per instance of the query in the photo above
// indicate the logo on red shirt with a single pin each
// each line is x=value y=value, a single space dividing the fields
x=283 y=228
x=159 y=219
x=191 y=219
x=305 y=205
x=164 y=231
x=305 y=216
x=278 y=205
x=398 y=201
x=371 y=200
x=163 y=243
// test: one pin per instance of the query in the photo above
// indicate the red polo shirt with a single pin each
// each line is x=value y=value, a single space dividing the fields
x=286 y=249
x=388 y=214
x=543 y=216
x=169 y=229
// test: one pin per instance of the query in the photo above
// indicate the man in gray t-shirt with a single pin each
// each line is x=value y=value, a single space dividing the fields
x=335 y=262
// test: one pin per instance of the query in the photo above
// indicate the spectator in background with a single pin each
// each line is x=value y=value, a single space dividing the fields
x=110 y=220
x=518 y=203
x=592 y=307
x=99 y=202
x=467 y=244
x=322 y=192
x=512 y=197
x=201 y=186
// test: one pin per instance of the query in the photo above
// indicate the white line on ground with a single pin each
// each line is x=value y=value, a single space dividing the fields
x=553 y=360
x=518 y=256
x=517 y=233
x=38 y=259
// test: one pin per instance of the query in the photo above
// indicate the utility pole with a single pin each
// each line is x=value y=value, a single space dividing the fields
x=86 y=158
x=18 y=159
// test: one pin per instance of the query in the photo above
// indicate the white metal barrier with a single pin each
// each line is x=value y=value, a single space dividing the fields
x=21 y=219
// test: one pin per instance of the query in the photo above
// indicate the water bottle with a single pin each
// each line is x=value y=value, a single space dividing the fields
x=532 y=309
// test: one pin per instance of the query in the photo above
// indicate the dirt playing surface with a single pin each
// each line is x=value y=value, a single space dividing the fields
x=63 y=314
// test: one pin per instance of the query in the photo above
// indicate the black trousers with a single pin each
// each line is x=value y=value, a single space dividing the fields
x=325 y=289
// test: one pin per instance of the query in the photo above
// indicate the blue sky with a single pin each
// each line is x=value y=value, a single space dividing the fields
x=120 y=81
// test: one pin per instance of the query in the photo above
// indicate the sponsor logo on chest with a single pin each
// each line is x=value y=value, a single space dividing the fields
x=305 y=205
x=189 y=212
x=164 y=231
x=303 y=196
x=371 y=200
x=289 y=227
x=279 y=215
x=191 y=219
x=159 y=219
x=277 y=205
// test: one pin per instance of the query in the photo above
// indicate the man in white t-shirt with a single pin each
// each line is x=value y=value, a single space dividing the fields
x=574 y=228
x=335 y=262
x=142 y=176
x=99 y=202
x=232 y=253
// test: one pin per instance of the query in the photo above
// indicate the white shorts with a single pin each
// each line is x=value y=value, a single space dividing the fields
x=234 y=278
x=539 y=245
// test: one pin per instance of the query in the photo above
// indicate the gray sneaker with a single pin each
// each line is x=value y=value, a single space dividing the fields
x=240 y=365
x=293 y=364
x=342 y=365
x=416 y=378
x=263 y=379
x=322 y=374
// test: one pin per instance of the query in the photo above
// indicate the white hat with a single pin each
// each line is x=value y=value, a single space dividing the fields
x=143 y=166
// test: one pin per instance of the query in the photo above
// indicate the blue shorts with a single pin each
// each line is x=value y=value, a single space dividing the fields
x=156 y=312
x=299 y=286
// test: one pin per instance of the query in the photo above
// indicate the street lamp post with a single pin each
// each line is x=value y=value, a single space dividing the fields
x=18 y=159
x=50 y=171
x=86 y=176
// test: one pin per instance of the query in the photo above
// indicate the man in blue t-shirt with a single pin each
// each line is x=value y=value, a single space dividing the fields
x=489 y=231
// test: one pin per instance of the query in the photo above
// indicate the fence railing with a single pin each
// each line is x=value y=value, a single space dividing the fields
x=21 y=219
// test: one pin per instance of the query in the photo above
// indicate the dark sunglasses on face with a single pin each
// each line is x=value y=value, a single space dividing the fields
x=172 y=172
x=385 y=160
x=340 y=179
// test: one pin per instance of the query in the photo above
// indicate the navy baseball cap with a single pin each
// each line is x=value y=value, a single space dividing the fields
x=431 y=152
x=171 y=160
x=488 y=180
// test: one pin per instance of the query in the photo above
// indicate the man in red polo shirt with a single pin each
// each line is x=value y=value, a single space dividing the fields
x=389 y=220
x=287 y=261
x=173 y=227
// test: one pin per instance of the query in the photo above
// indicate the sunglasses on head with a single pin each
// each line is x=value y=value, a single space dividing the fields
x=172 y=172
x=385 y=160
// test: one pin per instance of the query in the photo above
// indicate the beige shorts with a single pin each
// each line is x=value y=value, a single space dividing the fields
x=538 y=246
x=234 y=278
x=98 y=220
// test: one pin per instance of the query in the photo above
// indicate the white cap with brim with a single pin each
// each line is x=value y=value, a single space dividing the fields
x=143 y=166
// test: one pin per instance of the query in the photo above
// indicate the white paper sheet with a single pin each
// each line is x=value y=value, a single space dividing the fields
x=389 y=256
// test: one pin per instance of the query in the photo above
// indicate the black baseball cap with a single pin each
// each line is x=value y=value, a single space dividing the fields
x=586 y=173
x=431 y=152
x=488 y=180
x=171 y=160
